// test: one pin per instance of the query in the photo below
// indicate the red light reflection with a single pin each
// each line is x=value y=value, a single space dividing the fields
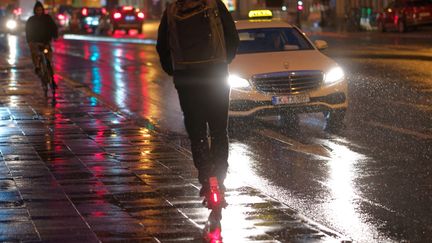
x=98 y=214
x=214 y=236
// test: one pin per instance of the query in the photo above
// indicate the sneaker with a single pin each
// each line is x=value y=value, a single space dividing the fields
x=222 y=188
x=204 y=190
x=223 y=202
x=37 y=71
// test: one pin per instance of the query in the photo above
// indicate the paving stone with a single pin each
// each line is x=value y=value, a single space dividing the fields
x=14 y=214
x=17 y=231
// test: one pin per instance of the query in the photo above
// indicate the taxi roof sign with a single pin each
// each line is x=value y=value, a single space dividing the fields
x=264 y=13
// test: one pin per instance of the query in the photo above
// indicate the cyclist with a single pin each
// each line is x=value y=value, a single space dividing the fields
x=40 y=29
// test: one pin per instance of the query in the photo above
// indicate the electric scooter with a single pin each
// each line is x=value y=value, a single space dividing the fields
x=215 y=201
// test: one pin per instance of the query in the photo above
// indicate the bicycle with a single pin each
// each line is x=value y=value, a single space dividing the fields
x=45 y=73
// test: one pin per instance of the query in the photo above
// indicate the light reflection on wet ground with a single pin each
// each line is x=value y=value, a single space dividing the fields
x=123 y=77
x=346 y=179
x=77 y=170
x=339 y=201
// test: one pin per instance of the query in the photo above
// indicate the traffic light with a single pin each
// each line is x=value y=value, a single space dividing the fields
x=300 y=5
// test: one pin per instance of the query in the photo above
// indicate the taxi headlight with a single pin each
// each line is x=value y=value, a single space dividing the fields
x=11 y=24
x=334 y=75
x=237 y=82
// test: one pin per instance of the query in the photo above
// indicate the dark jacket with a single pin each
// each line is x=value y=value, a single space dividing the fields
x=41 y=29
x=231 y=41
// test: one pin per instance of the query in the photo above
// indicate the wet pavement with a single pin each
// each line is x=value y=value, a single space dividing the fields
x=78 y=170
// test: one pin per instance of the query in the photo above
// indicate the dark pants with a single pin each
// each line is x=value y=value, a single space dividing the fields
x=34 y=51
x=205 y=111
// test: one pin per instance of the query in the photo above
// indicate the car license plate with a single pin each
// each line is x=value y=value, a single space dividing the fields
x=290 y=99
x=130 y=18
x=426 y=14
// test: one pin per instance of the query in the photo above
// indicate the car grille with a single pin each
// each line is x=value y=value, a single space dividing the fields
x=288 y=82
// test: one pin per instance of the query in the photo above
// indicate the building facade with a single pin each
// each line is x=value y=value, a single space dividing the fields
x=328 y=10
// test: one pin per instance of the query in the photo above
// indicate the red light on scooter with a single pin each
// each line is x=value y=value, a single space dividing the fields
x=117 y=15
x=214 y=236
x=84 y=11
x=140 y=15
x=215 y=197
x=61 y=17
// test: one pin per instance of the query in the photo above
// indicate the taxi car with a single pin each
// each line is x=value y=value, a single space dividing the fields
x=279 y=71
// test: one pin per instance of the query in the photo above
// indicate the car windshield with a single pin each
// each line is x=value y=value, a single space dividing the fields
x=272 y=40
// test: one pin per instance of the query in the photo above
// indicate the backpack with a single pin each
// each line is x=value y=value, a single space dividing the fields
x=195 y=34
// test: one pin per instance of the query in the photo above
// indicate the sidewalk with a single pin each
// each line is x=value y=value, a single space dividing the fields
x=77 y=171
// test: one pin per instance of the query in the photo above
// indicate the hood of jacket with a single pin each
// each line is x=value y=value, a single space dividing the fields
x=38 y=4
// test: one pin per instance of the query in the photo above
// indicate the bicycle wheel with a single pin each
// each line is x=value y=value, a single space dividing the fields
x=44 y=75
x=50 y=77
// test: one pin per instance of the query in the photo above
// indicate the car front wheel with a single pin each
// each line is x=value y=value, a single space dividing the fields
x=334 y=119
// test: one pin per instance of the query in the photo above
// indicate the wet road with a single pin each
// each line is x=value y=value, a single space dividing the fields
x=371 y=181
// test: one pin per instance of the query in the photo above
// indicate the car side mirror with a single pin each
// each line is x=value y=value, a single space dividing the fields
x=321 y=45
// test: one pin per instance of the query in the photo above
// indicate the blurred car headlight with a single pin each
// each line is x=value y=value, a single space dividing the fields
x=11 y=24
x=334 y=75
x=237 y=82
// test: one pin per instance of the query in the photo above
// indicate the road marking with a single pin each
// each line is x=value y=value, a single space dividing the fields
x=312 y=149
x=401 y=130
